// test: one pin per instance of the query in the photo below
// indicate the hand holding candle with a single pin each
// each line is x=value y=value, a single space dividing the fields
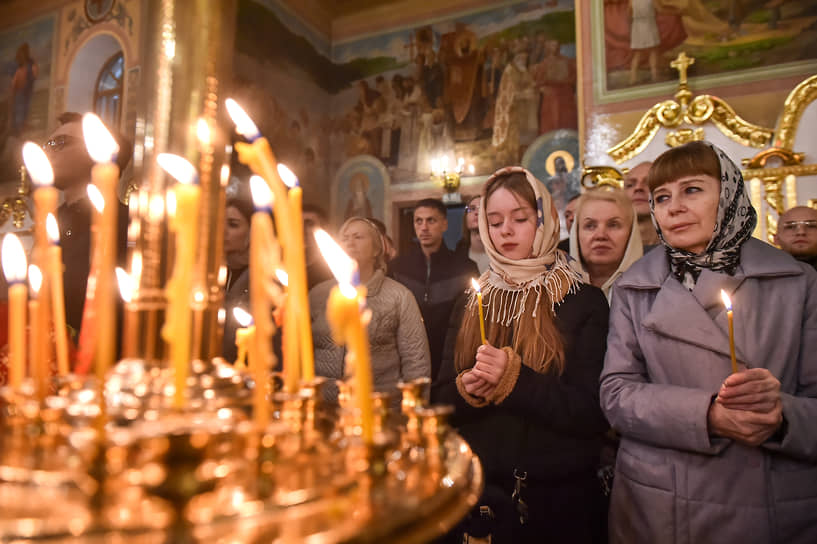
x=475 y=285
x=344 y=311
x=14 y=268
x=728 y=304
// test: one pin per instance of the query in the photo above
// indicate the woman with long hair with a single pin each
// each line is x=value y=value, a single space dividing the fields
x=711 y=450
x=527 y=399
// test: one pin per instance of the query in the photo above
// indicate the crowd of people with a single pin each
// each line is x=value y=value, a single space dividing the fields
x=620 y=341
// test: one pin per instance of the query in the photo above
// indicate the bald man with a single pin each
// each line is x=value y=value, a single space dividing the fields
x=635 y=185
x=797 y=234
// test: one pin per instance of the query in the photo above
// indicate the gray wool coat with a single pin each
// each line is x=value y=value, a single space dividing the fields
x=397 y=337
x=667 y=355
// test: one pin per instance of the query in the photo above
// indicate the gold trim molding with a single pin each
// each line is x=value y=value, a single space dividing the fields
x=799 y=98
x=600 y=176
x=694 y=111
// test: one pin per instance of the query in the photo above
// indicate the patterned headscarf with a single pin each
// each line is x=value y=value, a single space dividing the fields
x=735 y=222
x=507 y=282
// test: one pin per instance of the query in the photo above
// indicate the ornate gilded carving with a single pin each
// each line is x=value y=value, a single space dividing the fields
x=684 y=135
x=813 y=203
x=600 y=176
x=799 y=98
x=693 y=111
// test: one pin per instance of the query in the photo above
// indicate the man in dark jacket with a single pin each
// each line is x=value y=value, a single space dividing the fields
x=434 y=274
x=72 y=172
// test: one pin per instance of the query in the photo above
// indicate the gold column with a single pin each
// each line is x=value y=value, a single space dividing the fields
x=189 y=48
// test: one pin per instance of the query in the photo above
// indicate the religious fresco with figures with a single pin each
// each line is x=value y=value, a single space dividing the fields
x=482 y=86
x=758 y=38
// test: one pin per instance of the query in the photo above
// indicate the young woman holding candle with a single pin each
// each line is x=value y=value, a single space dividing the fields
x=708 y=455
x=604 y=239
x=399 y=348
x=527 y=400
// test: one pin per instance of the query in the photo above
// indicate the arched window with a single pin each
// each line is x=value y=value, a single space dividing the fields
x=108 y=90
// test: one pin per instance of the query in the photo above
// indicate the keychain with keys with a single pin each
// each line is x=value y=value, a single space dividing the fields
x=516 y=496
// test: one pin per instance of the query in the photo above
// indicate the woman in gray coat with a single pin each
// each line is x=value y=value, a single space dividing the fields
x=708 y=455
x=397 y=336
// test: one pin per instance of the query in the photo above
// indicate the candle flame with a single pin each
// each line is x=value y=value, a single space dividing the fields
x=342 y=266
x=178 y=167
x=96 y=198
x=203 y=131
x=261 y=193
x=282 y=276
x=471 y=169
x=727 y=302
x=14 y=259
x=37 y=164
x=52 y=229
x=35 y=278
x=244 y=319
x=156 y=207
x=475 y=285
x=243 y=123
x=287 y=176
x=125 y=284
x=100 y=143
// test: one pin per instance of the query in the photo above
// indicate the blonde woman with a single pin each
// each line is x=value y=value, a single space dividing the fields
x=396 y=333
x=605 y=239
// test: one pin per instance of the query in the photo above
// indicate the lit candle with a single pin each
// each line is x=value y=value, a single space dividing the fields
x=38 y=354
x=105 y=175
x=45 y=204
x=296 y=267
x=728 y=304
x=259 y=157
x=347 y=322
x=262 y=250
x=244 y=340
x=183 y=209
x=54 y=269
x=14 y=268
x=290 y=337
x=475 y=284
x=126 y=289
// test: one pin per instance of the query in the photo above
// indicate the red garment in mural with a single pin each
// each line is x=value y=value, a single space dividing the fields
x=617 y=33
x=555 y=79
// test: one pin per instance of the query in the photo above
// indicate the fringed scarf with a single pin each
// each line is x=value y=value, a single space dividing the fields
x=508 y=283
x=734 y=225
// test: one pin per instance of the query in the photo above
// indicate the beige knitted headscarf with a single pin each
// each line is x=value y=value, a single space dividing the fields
x=507 y=283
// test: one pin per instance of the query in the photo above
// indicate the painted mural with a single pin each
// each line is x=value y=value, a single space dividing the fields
x=642 y=36
x=25 y=73
x=481 y=86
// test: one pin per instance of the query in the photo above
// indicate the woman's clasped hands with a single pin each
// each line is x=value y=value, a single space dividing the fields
x=748 y=407
x=482 y=379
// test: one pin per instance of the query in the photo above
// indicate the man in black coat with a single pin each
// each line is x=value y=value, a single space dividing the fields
x=434 y=274
x=72 y=173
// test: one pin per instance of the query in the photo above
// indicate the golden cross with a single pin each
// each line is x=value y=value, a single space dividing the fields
x=681 y=63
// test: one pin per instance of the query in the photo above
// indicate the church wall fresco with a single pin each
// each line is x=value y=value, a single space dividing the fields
x=747 y=40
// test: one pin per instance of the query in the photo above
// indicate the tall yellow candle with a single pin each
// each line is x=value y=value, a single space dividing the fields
x=129 y=331
x=38 y=354
x=261 y=250
x=14 y=268
x=728 y=304
x=54 y=268
x=245 y=340
x=259 y=157
x=475 y=284
x=183 y=211
x=45 y=203
x=347 y=322
x=105 y=176
x=298 y=299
